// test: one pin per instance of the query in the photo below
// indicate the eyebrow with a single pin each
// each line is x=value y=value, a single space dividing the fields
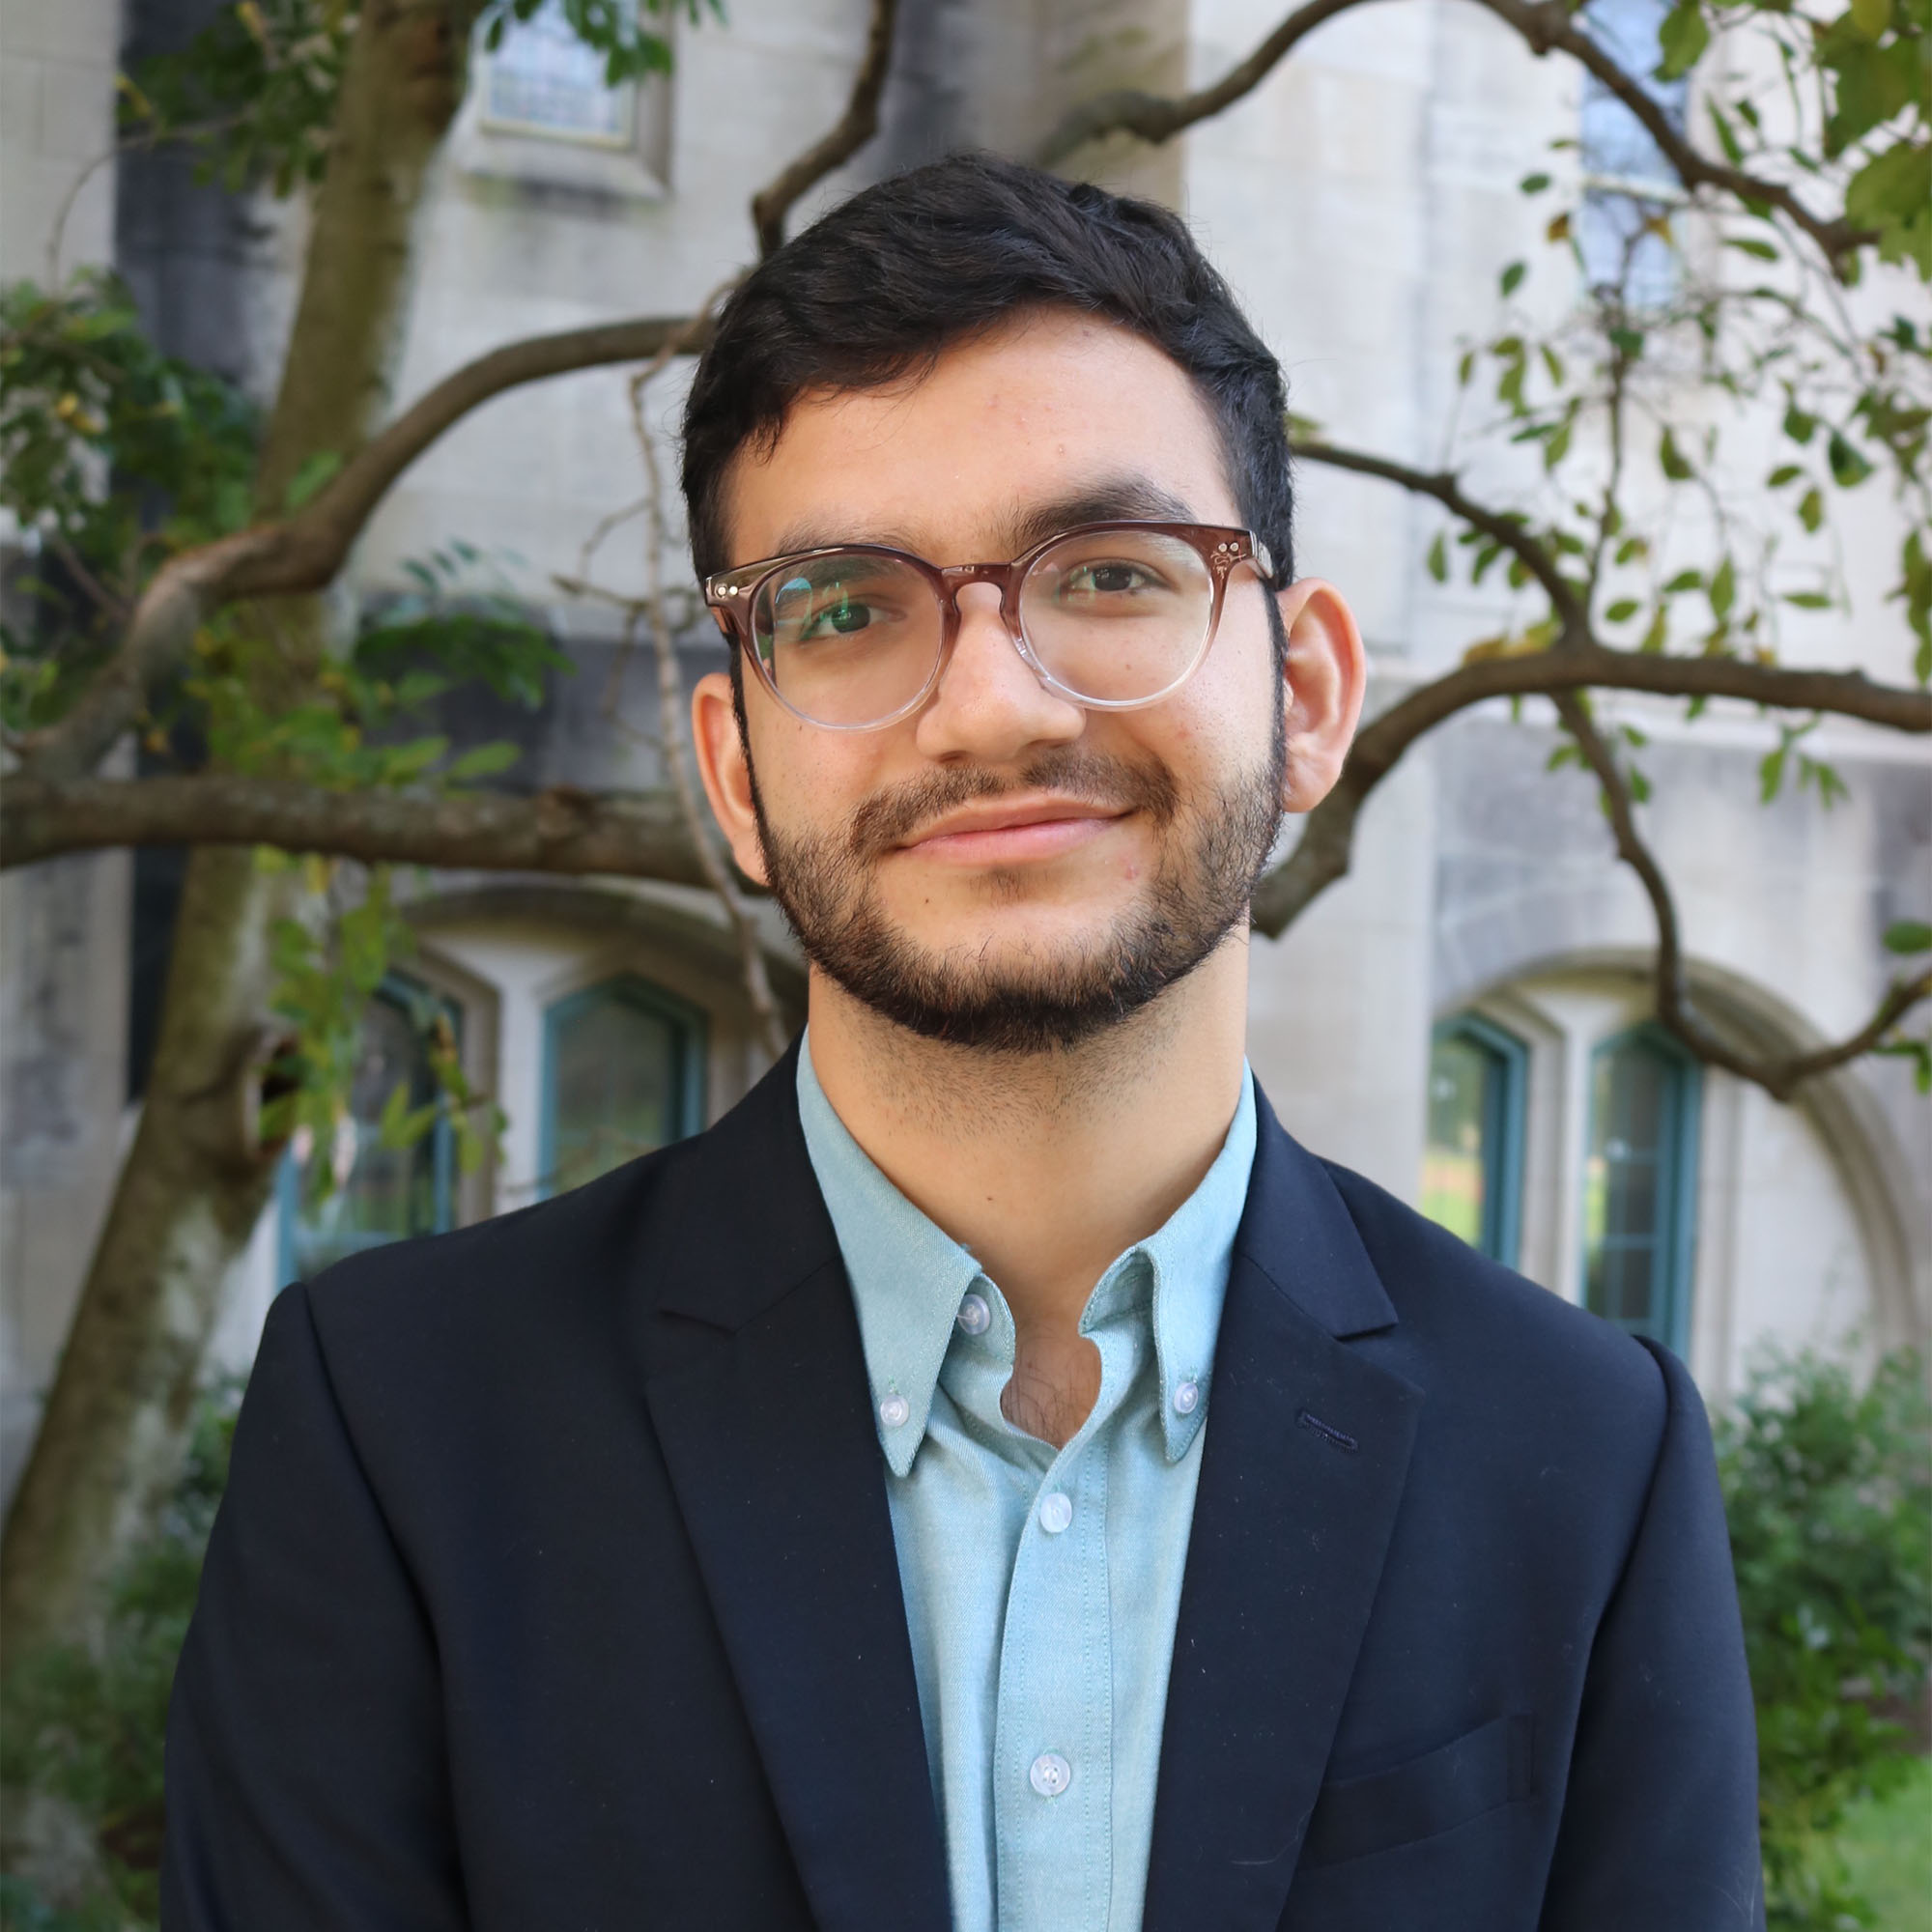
x=1116 y=500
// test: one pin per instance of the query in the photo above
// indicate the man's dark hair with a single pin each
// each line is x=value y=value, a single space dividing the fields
x=876 y=289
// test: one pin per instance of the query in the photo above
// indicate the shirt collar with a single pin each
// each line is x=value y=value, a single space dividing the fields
x=909 y=1276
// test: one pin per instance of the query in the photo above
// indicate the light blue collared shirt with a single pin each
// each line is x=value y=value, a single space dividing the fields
x=1041 y=1586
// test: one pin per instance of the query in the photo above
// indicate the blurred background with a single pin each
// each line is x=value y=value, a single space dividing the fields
x=1607 y=332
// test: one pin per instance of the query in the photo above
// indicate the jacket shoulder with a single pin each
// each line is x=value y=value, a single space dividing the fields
x=1474 y=1334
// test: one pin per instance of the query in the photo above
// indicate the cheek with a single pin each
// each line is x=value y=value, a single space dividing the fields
x=813 y=780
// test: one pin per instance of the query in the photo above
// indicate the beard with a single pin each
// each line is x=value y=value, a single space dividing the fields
x=1211 y=856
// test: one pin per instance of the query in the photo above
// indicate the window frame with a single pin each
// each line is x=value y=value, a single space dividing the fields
x=1677 y=1193
x=397 y=989
x=691 y=1028
x=1505 y=1118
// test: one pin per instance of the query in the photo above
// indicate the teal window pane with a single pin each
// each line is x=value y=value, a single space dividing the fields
x=623 y=1070
x=1639 y=1183
x=379 y=1194
x=1472 y=1162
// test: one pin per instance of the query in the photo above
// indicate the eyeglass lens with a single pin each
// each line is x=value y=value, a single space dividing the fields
x=1114 y=617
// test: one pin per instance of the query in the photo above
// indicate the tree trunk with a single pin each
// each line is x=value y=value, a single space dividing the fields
x=112 y=1438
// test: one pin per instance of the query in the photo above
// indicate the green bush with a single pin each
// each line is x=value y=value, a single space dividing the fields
x=1827 y=1487
x=81 y=1724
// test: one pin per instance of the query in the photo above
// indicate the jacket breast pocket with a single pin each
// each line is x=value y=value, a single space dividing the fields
x=1481 y=1771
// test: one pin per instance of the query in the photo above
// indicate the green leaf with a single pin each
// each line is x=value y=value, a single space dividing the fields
x=1811 y=510
x=1682 y=38
x=1809 y=600
x=1726 y=139
x=1872 y=18
x=1771 y=774
x=1533 y=183
x=1785 y=473
x=1511 y=278
x=315 y=471
x=1798 y=424
x=1723 y=590
x=1890 y=188
x=1655 y=636
x=1908 y=936
x=1849 y=467
x=1621 y=612
x=1747 y=244
x=1438 y=558
x=1685 y=580
x=484 y=761
x=1672 y=460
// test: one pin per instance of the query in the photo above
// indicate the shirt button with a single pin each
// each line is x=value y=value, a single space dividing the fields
x=1056 y=1511
x=1050 y=1775
x=1186 y=1397
x=895 y=1411
x=976 y=1316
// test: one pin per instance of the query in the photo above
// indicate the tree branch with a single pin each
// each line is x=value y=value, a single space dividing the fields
x=564 y=830
x=673 y=736
x=1544 y=25
x=1511 y=532
x=1157 y=118
x=1547 y=25
x=1779 y=1074
x=1322 y=853
x=305 y=550
x=561 y=830
x=855 y=127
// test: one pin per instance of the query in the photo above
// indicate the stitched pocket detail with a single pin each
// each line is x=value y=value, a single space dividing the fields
x=1486 y=1768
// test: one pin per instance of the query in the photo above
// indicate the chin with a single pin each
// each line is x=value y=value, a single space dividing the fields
x=1011 y=934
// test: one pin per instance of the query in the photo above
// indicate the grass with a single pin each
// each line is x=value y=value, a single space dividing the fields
x=1888 y=1843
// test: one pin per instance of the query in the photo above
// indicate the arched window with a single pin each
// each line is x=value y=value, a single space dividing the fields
x=379 y=1193
x=1641 y=1187
x=623 y=1073
x=1472 y=1169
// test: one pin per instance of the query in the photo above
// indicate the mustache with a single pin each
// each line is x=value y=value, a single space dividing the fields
x=890 y=818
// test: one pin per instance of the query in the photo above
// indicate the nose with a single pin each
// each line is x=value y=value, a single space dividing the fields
x=990 y=706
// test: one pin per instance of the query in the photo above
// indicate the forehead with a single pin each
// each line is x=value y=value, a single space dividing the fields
x=956 y=461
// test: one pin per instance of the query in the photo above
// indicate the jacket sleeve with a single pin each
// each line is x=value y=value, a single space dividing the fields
x=307 y=1785
x=1660 y=1812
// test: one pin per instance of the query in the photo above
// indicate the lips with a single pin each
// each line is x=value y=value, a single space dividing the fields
x=1006 y=816
x=1006 y=833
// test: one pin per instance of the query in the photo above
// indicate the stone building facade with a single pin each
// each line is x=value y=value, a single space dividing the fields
x=1462 y=1018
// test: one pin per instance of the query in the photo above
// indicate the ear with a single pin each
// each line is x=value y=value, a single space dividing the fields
x=726 y=767
x=1328 y=674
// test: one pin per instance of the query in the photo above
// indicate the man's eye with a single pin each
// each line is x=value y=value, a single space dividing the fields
x=842 y=618
x=1106 y=579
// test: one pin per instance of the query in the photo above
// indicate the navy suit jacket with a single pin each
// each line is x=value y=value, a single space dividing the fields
x=554 y=1588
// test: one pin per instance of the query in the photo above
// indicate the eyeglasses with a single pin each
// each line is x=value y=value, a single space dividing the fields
x=1111 y=616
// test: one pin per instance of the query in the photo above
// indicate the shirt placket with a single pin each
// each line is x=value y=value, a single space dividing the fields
x=1054 y=1733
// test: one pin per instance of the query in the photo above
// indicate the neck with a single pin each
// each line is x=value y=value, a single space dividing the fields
x=1046 y=1166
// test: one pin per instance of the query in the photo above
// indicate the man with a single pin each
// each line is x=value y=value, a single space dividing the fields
x=995 y=1477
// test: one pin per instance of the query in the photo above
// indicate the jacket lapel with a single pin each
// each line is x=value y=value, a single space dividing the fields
x=1303 y=1464
x=759 y=1395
